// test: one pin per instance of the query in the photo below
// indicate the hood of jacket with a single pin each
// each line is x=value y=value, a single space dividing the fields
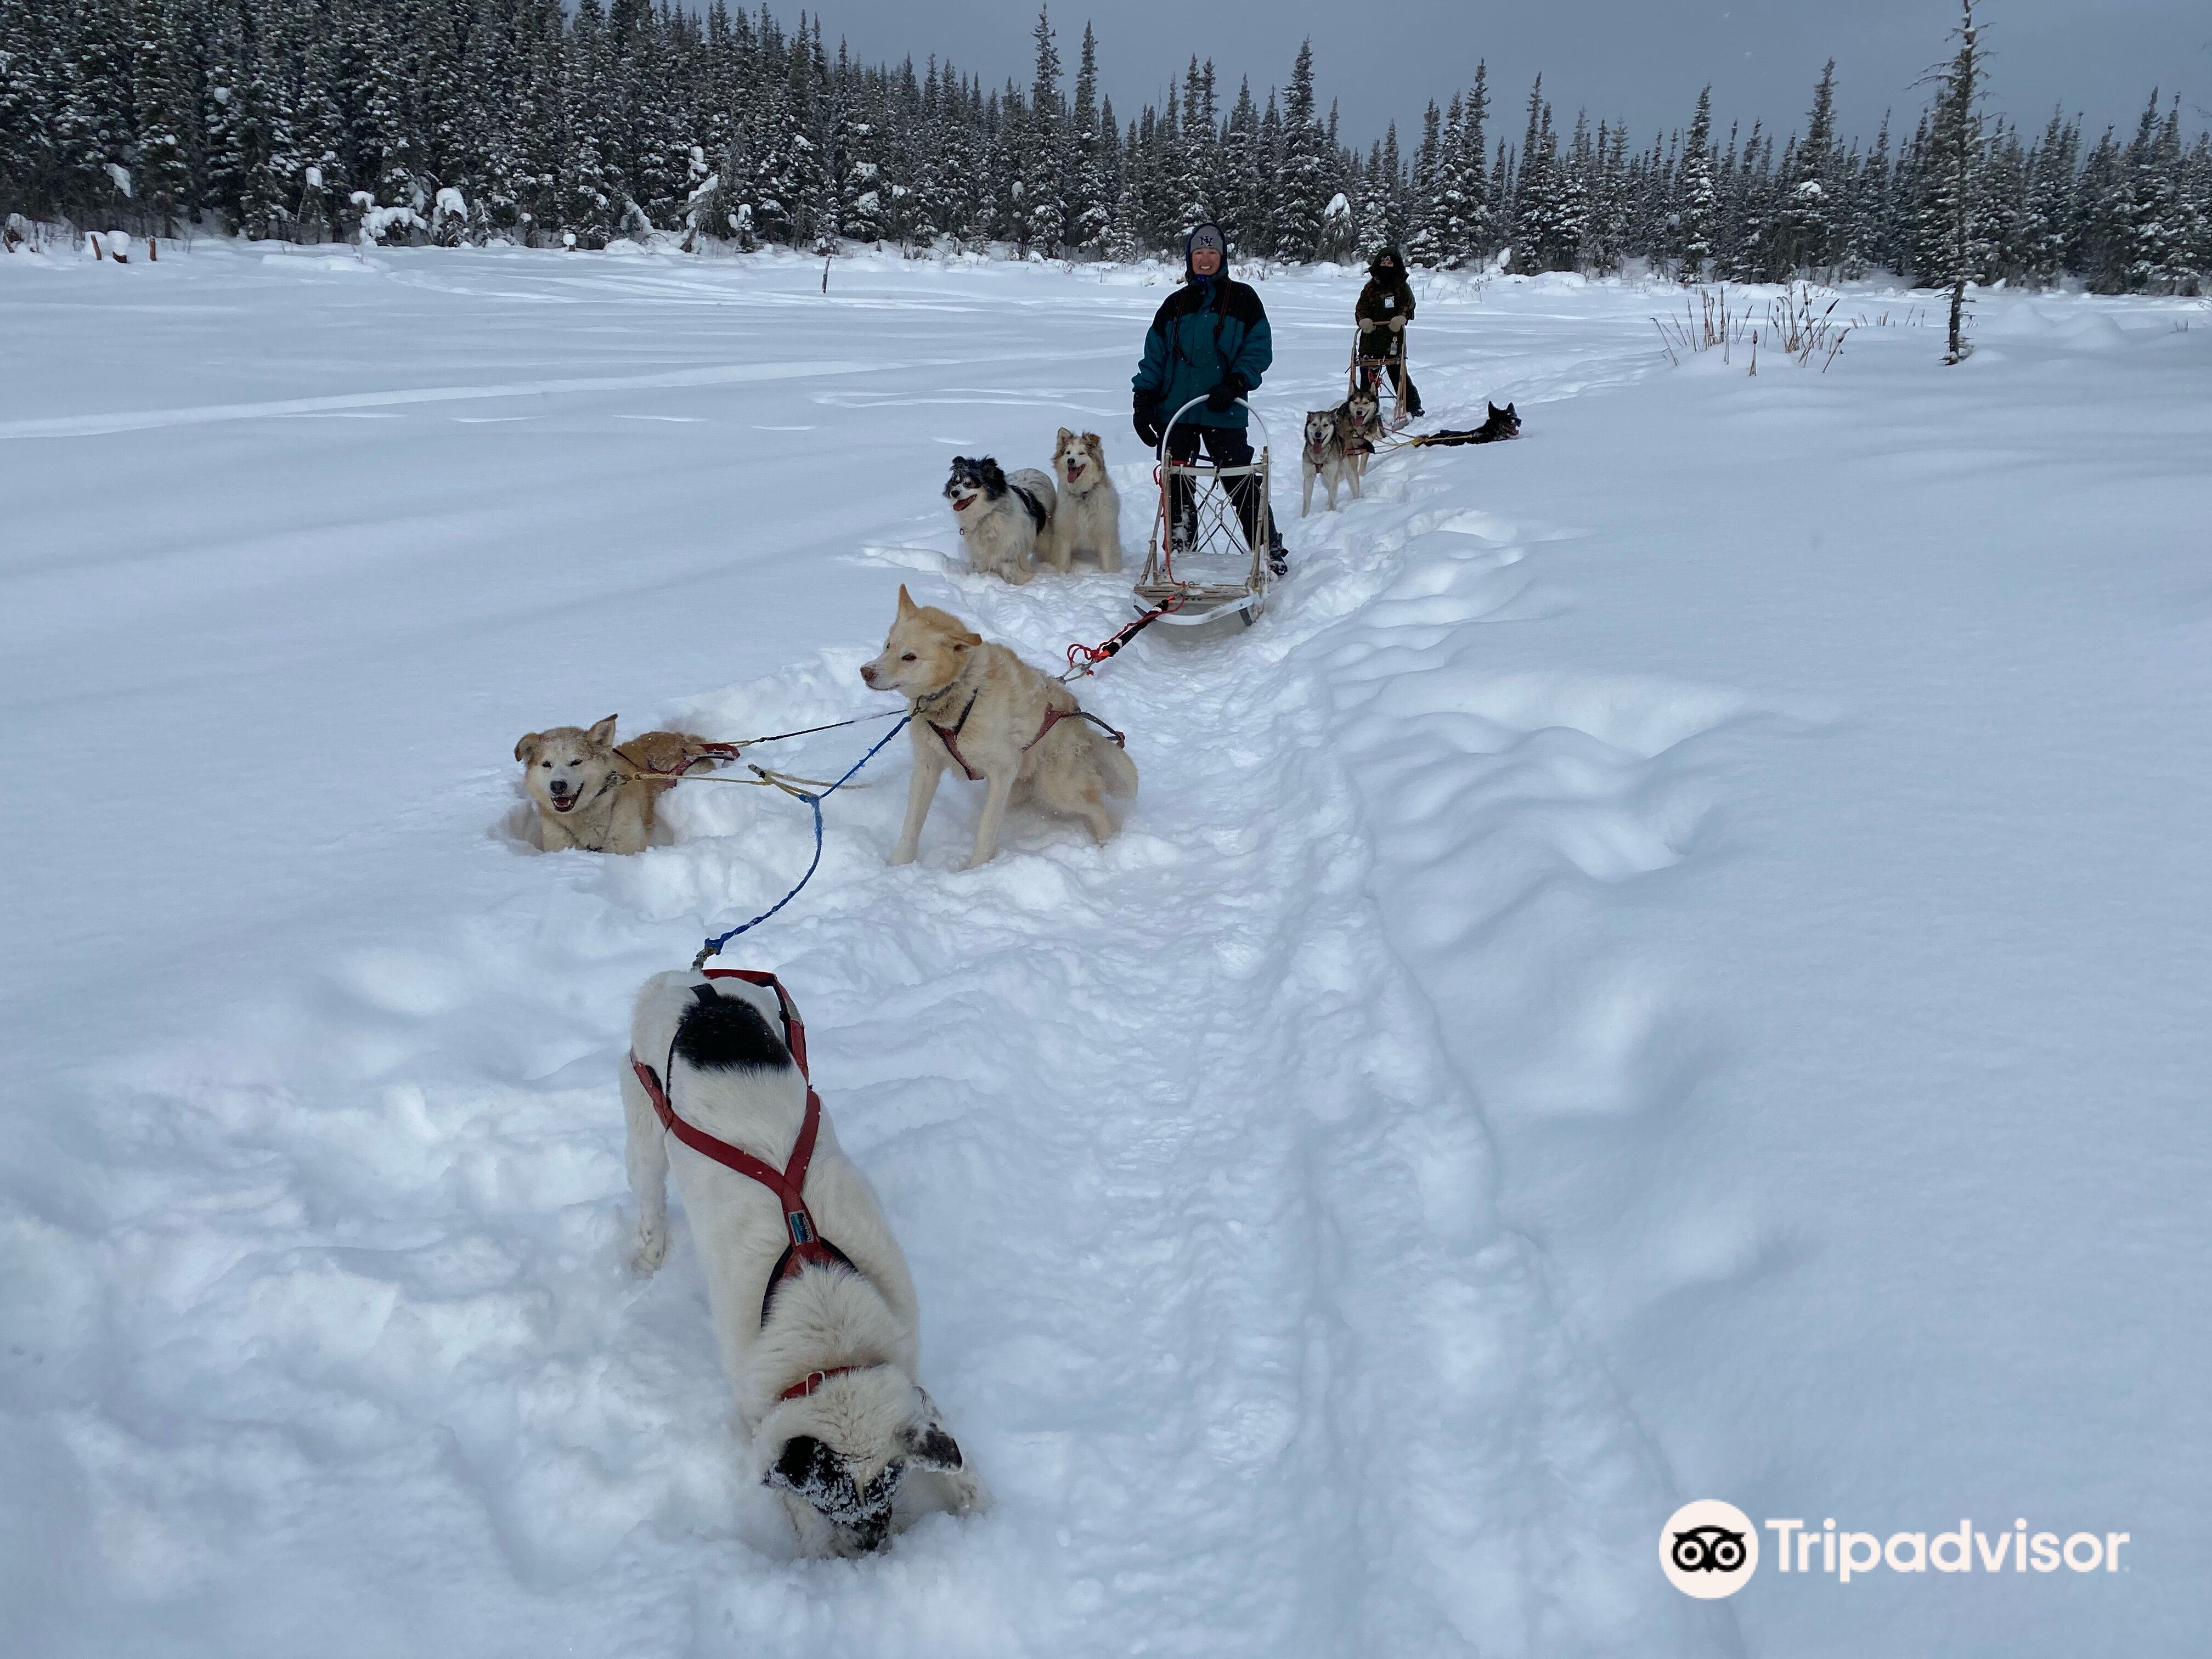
x=1396 y=274
x=1190 y=276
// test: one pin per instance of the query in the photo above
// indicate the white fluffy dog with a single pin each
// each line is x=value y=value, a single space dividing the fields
x=1088 y=517
x=1003 y=518
x=813 y=1307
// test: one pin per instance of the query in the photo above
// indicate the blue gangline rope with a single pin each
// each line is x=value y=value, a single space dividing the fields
x=714 y=945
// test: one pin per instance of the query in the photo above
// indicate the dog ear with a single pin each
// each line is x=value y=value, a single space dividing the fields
x=926 y=1446
x=907 y=606
x=526 y=747
x=1065 y=434
x=923 y=1440
x=1092 y=440
x=962 y=640
x=603 y=733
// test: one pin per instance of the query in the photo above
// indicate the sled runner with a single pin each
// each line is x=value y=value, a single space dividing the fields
x=1212 y=535
x=1381 y=378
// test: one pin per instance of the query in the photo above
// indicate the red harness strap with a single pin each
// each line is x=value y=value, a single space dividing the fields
x=949 y=736
x=807 y=1247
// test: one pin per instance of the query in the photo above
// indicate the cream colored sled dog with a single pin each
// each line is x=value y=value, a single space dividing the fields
x=1088 y=518
x=814 y=1310
x=592 y=794
x=982 y=708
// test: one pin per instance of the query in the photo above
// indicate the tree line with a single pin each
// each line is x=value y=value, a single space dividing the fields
x=471 y=120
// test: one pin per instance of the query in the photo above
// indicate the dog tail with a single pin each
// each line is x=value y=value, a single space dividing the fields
x=661 y=758
x=703 y=754
x=1117 y=770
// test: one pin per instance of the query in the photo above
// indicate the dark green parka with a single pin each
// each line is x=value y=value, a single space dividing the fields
x=1206 y=331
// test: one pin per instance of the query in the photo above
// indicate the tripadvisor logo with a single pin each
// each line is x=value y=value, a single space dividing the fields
x=1710 y=1549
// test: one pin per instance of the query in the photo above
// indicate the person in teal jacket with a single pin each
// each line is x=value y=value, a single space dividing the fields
x=1209 y=339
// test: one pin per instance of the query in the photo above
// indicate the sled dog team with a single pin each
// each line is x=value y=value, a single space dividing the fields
x=1339 y=444
x=813 y=1307
x=812 y=1303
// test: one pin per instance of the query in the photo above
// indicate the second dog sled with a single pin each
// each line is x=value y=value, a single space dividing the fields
x=1214 y=533
x=1383 y=378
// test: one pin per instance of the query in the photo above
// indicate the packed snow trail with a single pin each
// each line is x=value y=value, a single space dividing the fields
x=1334 y=1204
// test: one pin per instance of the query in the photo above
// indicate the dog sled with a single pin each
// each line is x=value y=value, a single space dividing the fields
x=1383 y=379
x=1213 y=536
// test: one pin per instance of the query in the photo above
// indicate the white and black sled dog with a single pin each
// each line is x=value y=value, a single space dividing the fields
x=1088 y=516
x=1002 y=518
x=813 y=1307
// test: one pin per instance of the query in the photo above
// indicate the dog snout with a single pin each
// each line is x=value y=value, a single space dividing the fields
x=560 y=787
x=868 y=674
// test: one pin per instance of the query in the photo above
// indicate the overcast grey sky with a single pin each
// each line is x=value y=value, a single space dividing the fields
x=1643 y=59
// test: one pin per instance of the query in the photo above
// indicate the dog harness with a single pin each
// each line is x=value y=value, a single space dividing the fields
x=807 y=1247
x=950 y=735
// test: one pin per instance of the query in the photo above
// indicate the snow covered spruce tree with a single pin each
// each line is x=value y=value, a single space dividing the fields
x=1951 y=218
x=1808 y=231
x=1086 y=178
x=1698 y=204
x=1302 y=183
x=1042 y=151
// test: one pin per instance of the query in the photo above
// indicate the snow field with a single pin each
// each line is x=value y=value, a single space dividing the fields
x=1493 y=1090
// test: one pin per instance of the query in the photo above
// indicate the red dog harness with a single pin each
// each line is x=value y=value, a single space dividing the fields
x=949 y=735
x=807 y=1247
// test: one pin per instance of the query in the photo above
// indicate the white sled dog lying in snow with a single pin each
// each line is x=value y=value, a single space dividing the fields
x=1003 y=519
x=814 y=1310
x=1088 y=517
x=592 y=794
x=982 y=708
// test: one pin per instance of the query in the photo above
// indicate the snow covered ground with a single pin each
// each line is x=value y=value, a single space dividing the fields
x=1670 y=965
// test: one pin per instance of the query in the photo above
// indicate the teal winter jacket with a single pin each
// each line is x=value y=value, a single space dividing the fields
x=1205 y=330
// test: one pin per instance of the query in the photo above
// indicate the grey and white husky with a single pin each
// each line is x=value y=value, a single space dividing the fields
x=1088 y=517
x=1359 y=419
x=1002 y=516
x=1323 y=456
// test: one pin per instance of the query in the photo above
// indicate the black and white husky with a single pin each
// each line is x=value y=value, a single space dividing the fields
x=1001 y=518
x=814 y=1310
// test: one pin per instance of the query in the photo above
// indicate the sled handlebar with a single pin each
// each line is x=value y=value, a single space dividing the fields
x=1161 y=453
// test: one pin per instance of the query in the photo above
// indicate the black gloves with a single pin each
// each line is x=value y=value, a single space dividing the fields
x=1225 y=396
x=1145 y=408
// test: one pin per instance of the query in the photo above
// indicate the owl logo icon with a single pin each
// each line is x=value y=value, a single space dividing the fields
x=1708 y=1549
